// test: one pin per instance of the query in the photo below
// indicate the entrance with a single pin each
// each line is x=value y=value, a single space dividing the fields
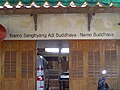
x=56 y=53
x=84 y=62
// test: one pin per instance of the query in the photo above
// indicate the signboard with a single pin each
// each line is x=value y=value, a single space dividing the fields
x=62 y=26
x=91 y=35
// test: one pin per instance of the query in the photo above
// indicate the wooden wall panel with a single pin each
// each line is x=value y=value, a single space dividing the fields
x=0 y=84
x=10 y=45
x=27 y=45
x=0 y=65
x=23 y=85
x=73 y=85
x=18 y=67
x=13 y=85
x=76 y=66
x=31 y=85
x=10 y=64
x=9 y=85
x=27 y=64
x=96 y=55
x=77 y=84
x=92 y=84
x=113 y=84
x=118 y=64
x=6 y=85
x=74 y=44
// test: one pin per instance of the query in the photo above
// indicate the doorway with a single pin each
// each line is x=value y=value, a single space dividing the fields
x=84 y=62
x=56 y=53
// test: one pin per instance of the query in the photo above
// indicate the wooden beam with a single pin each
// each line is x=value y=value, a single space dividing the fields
x=59 y=10
x=89 y=16
x=35 y=21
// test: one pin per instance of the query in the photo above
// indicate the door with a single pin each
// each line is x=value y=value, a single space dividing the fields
x=18 y=65
x=89 y=58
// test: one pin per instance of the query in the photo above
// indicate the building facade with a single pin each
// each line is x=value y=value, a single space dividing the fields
x=92 y=49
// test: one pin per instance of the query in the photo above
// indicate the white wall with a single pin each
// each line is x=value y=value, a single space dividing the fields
x=61 y=26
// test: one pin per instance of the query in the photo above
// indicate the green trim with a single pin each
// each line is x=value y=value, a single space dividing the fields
x=52 y=2
x=2 y=2
x=105 y=2
x=13 y=2
x=116 y=3
x=26 y=2
x=78 y=3
x=92 y=2
x=39 y=2
x=65 y=2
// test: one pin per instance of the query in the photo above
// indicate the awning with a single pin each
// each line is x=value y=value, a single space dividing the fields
x=77 y=3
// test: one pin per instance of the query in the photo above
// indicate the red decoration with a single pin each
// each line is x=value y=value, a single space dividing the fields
x=2 y=33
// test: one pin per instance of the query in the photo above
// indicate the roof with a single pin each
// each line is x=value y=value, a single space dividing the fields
x=77 y=3
x=58 y=6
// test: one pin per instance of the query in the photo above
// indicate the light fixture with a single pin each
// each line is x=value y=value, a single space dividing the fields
x=65 y=50
x=56 y=50
x=104 y=72
x=53 y=50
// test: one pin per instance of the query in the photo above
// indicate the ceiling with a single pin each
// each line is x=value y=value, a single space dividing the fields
x=52 y=43
x=42 y=44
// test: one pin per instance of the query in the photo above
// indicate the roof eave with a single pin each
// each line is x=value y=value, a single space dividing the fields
x=59 y=10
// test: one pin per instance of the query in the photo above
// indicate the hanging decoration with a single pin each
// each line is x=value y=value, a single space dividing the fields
x=2 y=32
